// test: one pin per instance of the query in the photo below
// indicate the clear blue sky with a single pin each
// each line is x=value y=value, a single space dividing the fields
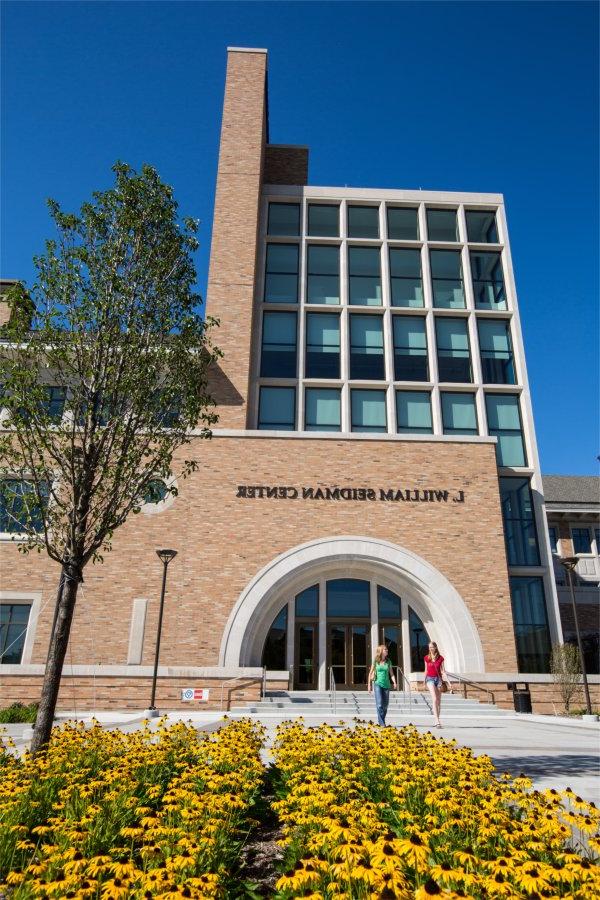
x=444 y=96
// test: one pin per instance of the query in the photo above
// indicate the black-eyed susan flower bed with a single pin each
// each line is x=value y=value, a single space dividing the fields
x=103 y=814
x=387 y=813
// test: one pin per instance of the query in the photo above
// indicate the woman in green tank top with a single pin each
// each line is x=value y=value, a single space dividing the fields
x=381 y=676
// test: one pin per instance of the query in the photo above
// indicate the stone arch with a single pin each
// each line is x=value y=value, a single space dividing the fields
x=429 y=592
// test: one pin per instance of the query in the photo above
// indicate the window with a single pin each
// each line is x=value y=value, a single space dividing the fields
x=54 y=404
x=364 y=273
x=156 y=491
x=504 y=421
x=366 y=348
x=323 y=274
x=419 y=641
x=363 y=222
x=453 y=354
x=322 y=345
x=323 y=412
x=388 y=603
x=495 y=347
x=582 y=542
x=14 y=618
x=410 y=349
x=277 y=408
x=405 y=277
x=446 y=279
x=284 y=219
x=530 y=619
x=413 y=412
x=519 y=522
x=553 y=534
x=281 y=278
x=278 y=358
x=323 y=220
x=442 y=225
x=488 y=280
x=458 y=413
x=20 y=511
x=368 y=411
x=307 y=603
x=274 y=656
x=403 y=224
x=348 y=598
x=481 y=226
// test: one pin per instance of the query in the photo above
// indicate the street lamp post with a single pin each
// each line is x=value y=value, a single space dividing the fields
x=165 y=557
x=569 y=563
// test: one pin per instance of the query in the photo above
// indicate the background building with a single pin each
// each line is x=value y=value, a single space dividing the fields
x=374 y=475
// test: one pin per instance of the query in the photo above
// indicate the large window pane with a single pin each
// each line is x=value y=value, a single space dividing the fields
x=388 y=603
x=488 y=280
x=281 y=278
x=459 y=415
x=413 y=412
x=54 y=404
x=410 y=349
x=348 y=598
x=278 y=359
x=446 y=279
x=453 y=354
x=323 y=412
x=481 y=226
x=323 y=274
x=20 y=509
x=14 y=618
x=364 y=273
x=363 y=222
x=531 y=624
x=284 y=219
x=277 y=408
x=323 y=220
x=442 y=225
x=273 y=657
x=322 y=345
x=504 y=421
x=368 y=411
x=307 y=603
x=581 y=540
x=366 y=348
x=495 y=347
x=405 y=277
x=519 y=522
x=403 y=224
x=419 y=641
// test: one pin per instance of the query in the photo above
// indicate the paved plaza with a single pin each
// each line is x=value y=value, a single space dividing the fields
x=553 y=752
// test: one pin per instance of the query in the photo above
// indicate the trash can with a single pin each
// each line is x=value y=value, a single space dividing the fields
x=521 y=696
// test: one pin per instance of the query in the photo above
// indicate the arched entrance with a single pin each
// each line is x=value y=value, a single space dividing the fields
x=343 y=584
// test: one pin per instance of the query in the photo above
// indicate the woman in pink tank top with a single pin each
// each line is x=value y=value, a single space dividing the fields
x=435 y=675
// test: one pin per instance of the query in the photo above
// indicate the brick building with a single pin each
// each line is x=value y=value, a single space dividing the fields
x=374 y=474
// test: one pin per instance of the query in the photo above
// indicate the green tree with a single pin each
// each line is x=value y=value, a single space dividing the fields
x=103 y=383
x=565 y=667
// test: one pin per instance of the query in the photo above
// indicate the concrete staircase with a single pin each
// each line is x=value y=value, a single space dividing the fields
x=320 y=706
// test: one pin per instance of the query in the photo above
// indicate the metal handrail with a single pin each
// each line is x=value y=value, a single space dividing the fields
x=475 y=684
x=229 y=682
x=332 y=691
x=263 y=687
x=405 y=681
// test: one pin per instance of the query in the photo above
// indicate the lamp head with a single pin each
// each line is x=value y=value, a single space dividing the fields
x=166 y=556
x=569 y=562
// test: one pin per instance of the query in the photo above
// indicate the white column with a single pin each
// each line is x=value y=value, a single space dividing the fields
x=406 y=665
x=322 y=680
x=290 y=662
x=374 y=618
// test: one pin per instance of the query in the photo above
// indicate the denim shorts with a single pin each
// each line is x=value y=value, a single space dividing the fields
x=433 y=679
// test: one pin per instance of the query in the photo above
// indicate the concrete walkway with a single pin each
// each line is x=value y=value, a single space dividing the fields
x=553 y=752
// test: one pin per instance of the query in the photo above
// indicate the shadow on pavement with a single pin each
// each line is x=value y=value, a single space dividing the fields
x=548 y=766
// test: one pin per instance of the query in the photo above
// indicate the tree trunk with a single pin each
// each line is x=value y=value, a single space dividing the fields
x=56 y=657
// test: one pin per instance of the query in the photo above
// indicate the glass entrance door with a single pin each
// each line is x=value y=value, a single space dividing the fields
x=349 y=654
x=305 y=675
